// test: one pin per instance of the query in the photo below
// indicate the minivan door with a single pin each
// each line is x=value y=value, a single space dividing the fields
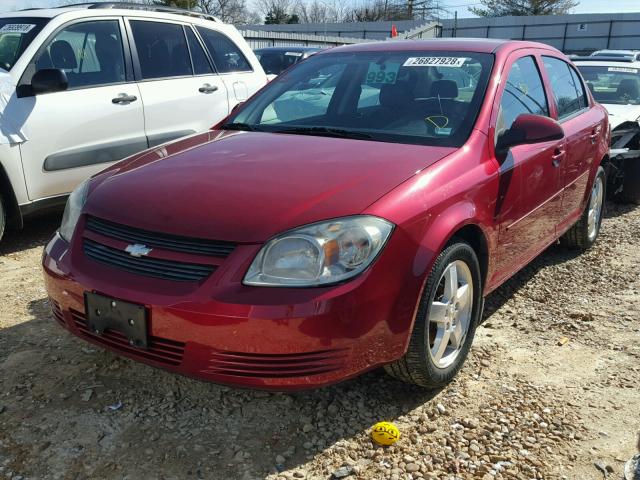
x=74 y=134
x=180 y=91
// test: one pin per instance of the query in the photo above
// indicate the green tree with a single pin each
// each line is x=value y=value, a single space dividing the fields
x=501 y=8
x=186 y=4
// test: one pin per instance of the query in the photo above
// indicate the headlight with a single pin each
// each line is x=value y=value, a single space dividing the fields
x=321 y=253
x=72 y=210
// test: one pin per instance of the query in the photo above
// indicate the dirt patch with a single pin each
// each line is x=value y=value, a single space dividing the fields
x=523 y=407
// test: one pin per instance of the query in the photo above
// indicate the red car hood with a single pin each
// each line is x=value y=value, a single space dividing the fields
x=247 y=187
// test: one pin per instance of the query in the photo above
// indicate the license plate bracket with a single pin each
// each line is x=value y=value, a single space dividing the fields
x=105 y=313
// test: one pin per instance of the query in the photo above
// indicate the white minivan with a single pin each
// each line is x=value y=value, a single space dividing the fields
x=84 y=86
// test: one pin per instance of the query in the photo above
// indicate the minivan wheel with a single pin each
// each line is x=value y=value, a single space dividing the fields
x=446 y=320
x=584 y=232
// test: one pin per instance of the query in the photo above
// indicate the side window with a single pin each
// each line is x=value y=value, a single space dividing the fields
x=523 y=93
x=568 y=101
x=582 y=95
x=201 y=65
x=226 y=54
x=162 y=49
x=90 y=53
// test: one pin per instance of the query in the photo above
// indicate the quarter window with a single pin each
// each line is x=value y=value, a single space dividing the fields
x=90 y=53
x=162 y=49
x=569 y=97
x=523 y=93
x=226 y=54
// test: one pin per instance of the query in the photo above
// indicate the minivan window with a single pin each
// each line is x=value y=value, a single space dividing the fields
x=16 y=33
x=90 y=53
x=226 y=54
x=162 y=49
x=393 y=96
x=523 y=93
x=566 y=93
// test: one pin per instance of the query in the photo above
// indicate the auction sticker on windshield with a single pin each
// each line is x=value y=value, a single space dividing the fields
x=622 y=69
x=455 y=62
x=382 y=73
x=17 y=28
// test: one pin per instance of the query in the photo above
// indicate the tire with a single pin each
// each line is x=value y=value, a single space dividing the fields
x=631 y=181
x=3 y=218
x=420 y=365
x=583 y=234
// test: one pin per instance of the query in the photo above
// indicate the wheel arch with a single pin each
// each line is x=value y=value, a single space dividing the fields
x=14 y=217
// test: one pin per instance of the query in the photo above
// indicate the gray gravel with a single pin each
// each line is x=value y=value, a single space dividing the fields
x=528 y=405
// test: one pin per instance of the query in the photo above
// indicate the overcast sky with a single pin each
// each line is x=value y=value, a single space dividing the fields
x=585 y=6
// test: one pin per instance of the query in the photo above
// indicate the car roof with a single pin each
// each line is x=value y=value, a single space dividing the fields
x=479 y=45
x=287 y=49
x=605 y=62
x=110 y=8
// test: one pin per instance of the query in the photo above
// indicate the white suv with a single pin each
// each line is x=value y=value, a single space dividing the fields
x=85 y=86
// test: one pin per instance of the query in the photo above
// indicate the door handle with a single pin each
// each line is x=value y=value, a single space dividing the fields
x=206 y=88
x=124 y=98
x=556 y=158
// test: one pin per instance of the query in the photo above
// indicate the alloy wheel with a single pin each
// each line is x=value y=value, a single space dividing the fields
x=595 y=208
x=450 y=314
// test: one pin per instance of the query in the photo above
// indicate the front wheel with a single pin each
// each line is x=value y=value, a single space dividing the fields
x=585 y=231
x=446 y=320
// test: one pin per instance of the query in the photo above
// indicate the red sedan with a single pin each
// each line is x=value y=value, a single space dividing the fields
x=352 y=214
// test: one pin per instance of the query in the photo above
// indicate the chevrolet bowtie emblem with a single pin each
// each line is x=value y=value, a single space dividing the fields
x=138 y=250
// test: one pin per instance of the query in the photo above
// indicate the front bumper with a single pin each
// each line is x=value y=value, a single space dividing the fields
x=226 y=332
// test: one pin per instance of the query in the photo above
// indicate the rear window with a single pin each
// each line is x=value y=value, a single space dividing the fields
x=16 y=34
x=613 y=84
x=275 y=63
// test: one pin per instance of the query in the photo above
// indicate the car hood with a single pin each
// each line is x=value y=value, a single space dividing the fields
x=249 y=186
x=619 y=114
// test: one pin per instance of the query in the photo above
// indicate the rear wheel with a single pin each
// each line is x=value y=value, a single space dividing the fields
x=585 y=231
x=446 y=321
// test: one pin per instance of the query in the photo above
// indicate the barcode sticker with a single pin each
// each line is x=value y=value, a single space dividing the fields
x=17 y=28
x=455 y=62
x=293 y=54
x=622 y=69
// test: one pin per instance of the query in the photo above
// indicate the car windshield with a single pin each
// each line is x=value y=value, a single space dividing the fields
x=613 y=84
x=16 y=34
x=275 y=63
x=415 y=97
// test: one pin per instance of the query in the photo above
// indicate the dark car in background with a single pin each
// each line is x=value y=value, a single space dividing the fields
x=275 y=60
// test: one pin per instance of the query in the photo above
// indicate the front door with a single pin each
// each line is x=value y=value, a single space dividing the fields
x=76 y=133
x=530 y=192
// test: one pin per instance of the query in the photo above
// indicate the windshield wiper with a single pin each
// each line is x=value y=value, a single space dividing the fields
x=326 y=132
x=240 y=126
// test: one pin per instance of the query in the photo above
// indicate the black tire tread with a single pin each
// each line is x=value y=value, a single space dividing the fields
x=409 y=368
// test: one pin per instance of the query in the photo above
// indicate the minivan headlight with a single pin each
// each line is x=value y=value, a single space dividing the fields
x=321 y=253
x=72 y=211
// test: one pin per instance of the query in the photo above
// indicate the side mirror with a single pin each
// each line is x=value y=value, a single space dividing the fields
x=49 y=80
x=527 y=129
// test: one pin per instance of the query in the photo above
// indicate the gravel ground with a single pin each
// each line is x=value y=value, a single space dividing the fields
x=551 y=390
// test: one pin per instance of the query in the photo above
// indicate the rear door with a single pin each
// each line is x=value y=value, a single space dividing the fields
x=582 y=127
x=530 y=189
x=232 y=64
x=76 y=133
x=180 y=90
